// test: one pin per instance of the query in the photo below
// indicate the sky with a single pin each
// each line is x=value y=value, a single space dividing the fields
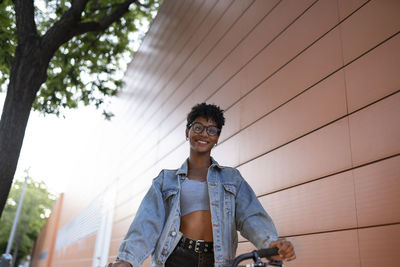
x=51 y=147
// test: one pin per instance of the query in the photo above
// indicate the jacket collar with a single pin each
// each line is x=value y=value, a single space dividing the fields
x=184 y=168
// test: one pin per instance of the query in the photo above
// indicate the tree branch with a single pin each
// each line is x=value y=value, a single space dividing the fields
x=104 y=22
x=69 y=25
x=75 y=11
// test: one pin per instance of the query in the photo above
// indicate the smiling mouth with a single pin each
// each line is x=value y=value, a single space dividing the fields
x=202 y=142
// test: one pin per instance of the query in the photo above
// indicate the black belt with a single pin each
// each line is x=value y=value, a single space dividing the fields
x=198 y=246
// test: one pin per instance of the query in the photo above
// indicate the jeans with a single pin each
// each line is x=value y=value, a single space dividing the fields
x=182 y=257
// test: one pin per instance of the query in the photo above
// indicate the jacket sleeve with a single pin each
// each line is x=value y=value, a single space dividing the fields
x=252 y=220
x=146 y=227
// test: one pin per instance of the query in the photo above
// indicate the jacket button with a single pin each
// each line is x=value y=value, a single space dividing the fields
x=165 y=252
x=173 y=234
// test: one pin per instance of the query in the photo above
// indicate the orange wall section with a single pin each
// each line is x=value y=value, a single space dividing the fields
x=311 y=94
x=43 y=252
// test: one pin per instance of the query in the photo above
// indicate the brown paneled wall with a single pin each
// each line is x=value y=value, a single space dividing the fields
x=310 y=90
x=311 y=95
x=43 y=251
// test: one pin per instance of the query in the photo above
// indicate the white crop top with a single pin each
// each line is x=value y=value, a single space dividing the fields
x=194 y=196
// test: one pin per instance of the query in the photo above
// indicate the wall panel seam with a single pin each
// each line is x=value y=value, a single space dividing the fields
x=136 y=57
x=330 y=175
x=139 y=57
x=167 y=67
x=291 y=141
x=311 y=86
x=211 y=49
x=194 y=89
x=339 y=23
x=149 y=55
x=187 y=58
x=304 y=91
x=337 y=230
x=160 y=60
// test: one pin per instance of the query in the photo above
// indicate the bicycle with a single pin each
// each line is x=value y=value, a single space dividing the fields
x=256 y=255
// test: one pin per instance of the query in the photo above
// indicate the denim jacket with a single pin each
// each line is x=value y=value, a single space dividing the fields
x=233 y=206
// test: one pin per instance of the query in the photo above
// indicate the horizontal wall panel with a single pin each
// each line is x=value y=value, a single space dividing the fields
x=128 y=208
x=232 y=121
x=186 y=30
x=377 y=188
x=320 y=60
x=324 y=205
x=320 y=105
x=173 y=36
x=151 y=50
x=113 y=251
x=325 y=250
x=178 y=62
x=151 y=39
x=81 y=262
x=218 y=66
x=170 y=142
x=379 y=246
x=346 y=7
x=375 y=131
x=133 y=189
x=278 y=31
x=370 y=25
x=219 y=75
x=224 y=22
x=174 y=159
x=228 y=153
x=318 y=154
x=374 y=75
x=120 y=228
x=156 y=112
x=246 y=27
x=204 y=62
x=79 y=253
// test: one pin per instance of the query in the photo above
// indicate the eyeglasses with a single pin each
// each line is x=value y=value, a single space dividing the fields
x=198 y=128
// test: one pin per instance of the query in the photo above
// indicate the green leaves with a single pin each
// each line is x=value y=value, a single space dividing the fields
x=35 y=208
x=88 y=68
x=8 y=40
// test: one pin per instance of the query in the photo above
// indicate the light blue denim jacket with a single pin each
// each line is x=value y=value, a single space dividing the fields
x=233 y=206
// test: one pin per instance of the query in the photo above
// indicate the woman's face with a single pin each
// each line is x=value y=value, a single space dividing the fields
x=201 y=142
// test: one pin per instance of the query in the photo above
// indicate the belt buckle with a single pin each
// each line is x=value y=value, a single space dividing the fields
x=197 y=245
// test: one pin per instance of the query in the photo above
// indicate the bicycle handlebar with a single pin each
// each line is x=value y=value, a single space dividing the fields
x=256 y=255
x=267 y=252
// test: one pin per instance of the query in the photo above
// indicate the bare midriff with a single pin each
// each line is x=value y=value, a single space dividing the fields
x=197 y=225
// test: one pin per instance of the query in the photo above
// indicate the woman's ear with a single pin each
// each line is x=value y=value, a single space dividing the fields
x=187 y=133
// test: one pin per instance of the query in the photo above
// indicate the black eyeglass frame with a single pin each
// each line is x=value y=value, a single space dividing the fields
x=206 y=127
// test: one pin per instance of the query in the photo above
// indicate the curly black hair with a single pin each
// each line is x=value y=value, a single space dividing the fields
x=207 y=111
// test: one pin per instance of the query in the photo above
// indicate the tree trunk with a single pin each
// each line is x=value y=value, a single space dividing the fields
x=26 y=76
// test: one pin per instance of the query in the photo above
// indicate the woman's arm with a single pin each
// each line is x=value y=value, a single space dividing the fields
x=256 y=225
x=252 y=220
x=145 y=229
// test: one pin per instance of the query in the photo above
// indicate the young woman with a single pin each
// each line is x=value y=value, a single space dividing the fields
x=190 y=216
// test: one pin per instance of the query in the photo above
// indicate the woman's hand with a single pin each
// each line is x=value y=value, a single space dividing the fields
x=286 y=250
x=119 y=264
